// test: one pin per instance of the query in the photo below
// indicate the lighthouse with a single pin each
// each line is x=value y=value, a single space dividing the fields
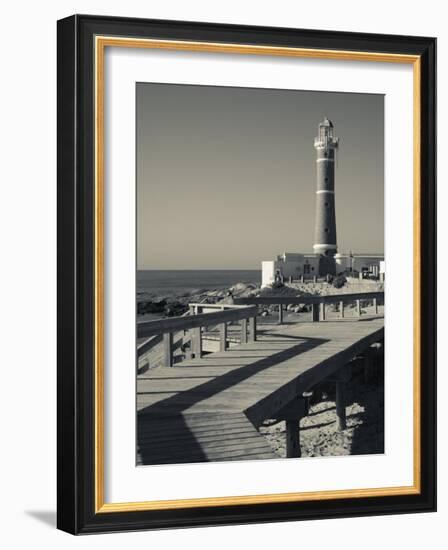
x=291 y=267
x=325 y=243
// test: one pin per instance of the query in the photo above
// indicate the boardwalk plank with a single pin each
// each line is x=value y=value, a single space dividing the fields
x=207 y=409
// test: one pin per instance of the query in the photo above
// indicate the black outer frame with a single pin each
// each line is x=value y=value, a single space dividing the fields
x=75 y=403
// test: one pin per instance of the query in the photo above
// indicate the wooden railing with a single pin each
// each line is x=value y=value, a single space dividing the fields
x=167 y=328
x=199 y=307
x=318 y=303
x=188 y=329
x=145 y=348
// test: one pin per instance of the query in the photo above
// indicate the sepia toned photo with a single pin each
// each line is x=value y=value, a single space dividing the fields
x=243 y=211
x=260 y=274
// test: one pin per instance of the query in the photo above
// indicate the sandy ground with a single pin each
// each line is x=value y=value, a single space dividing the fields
x=318 y=432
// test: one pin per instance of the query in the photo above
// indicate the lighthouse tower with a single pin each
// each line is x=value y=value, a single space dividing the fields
x=325 y=243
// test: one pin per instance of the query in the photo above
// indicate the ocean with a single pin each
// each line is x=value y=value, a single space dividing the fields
x=177 y=282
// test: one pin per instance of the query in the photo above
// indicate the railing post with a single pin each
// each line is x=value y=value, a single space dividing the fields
x=293 y=438
x=223 y=337
x=340 y=406
x=168 y=349
x=375 y=305
x=322 y=311
x=142 y=366
x=253 y=329
x=244 y=331
x=341 y=309
x=280 y=314
x=187 y=340
x=368 y=364
x=196 y=340
x=358 y=307
x=315 y=313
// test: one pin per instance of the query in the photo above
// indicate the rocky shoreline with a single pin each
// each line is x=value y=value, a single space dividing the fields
x=175 y=304
x=153 y=306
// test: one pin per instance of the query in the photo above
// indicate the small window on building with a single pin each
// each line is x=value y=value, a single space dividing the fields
x=326 y=230
x=326 y=204
x=326 y=179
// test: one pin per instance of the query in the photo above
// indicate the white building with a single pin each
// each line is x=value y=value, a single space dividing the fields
x=362 y=263
x=291 y=266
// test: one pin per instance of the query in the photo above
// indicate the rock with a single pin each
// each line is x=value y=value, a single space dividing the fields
x=239 y=287
x=175 y=309
x=151 y=307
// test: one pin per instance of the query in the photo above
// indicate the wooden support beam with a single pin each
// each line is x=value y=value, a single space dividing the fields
x=143 y=367
x=168 y=349
x=314 y=313
x=377 y=348
x=341 y=375
x=340 y=406
x=358 y=307
x=297 y=408
x=196 y=339
x=253 y=329
x=292 y=413
x=293 y=438
x=187 y=344
x=322 y=311
x=341 y=309
x=377 y=354
x=368 y=365
x=243 y=331
x=280 y=314
x=223 y=337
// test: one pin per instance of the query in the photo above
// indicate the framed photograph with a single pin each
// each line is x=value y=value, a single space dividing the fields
x=246 y=274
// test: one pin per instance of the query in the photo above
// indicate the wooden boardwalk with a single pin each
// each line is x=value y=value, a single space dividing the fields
x=209 y=408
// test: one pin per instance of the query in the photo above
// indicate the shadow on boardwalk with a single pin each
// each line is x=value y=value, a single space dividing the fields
x=165 y=436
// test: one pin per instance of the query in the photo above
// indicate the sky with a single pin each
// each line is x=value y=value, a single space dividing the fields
x=226 y=177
